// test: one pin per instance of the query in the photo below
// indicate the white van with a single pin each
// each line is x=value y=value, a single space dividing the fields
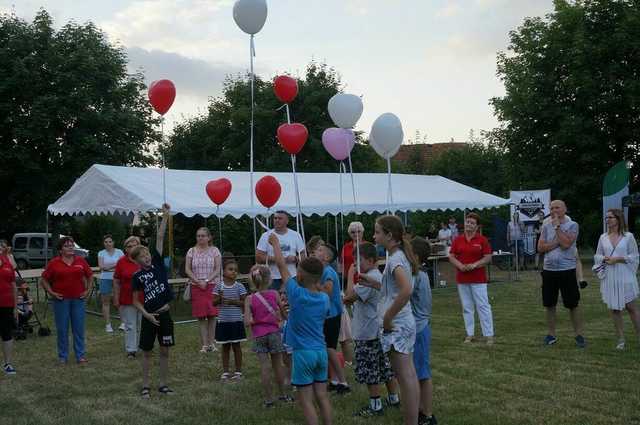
x=29 y=249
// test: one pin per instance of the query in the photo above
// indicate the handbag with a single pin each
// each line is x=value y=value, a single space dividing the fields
x=601 y=269
x=186 y=295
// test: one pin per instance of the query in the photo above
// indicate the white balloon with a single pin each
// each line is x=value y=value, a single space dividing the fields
x=386 y=135
x=345 y=109
x=250 y=15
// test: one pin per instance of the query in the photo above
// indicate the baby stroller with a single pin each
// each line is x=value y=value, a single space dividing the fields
x=28 y=319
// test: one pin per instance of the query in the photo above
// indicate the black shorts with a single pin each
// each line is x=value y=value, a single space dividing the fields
x=332 y=331
x=7 y=323
x=564 y=282
x=163 y=333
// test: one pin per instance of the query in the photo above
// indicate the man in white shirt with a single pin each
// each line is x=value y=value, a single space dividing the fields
x=444 y=235
x=291 y=245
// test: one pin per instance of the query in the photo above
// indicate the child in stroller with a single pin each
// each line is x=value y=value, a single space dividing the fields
x=25 y=312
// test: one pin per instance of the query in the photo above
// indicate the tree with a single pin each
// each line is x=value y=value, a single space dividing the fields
x=66 y=102
x=219 y=140
x=572 y=103
x=480 y=164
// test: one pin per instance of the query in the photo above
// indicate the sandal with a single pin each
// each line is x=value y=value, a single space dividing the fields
x=165 y=390
x=237 y=376
x=204 y=349
x=225 y=377
x=146 y=392
x=286 y=398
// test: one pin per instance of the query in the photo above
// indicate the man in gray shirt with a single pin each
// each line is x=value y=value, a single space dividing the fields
x=558 y=244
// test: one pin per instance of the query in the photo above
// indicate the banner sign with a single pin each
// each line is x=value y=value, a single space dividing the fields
x=530 y=204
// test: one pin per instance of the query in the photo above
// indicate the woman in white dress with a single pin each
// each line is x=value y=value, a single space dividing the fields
x=618 y=250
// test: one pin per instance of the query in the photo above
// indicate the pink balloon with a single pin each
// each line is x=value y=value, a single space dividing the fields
x=338 y=142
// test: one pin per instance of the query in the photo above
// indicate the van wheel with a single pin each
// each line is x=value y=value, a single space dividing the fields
x=22 y=264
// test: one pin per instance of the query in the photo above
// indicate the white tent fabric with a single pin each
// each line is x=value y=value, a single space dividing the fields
x=105 y=189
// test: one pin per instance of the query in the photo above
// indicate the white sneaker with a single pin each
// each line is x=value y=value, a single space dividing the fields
x=108 y=328
x=121 y=327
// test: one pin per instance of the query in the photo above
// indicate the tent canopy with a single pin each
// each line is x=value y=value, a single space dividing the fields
x=105 y=189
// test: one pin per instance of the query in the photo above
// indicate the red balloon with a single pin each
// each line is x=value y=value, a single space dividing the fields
x=292 y=137
x=162 y=93
x=286 y=88
x=268 y=191
x=218 y=190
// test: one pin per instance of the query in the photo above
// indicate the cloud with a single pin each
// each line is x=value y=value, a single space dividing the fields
x=449 y=10
x=357 y=7
x=185 y=27
x=195 y=77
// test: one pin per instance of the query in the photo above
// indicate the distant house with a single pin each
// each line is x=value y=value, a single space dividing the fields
x=427 y=152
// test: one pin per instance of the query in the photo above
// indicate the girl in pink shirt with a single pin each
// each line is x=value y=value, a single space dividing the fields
x=262 y=314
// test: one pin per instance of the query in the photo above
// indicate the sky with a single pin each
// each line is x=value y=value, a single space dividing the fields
x=430 y=62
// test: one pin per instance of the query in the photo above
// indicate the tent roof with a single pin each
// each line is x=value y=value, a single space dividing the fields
x=105 y=189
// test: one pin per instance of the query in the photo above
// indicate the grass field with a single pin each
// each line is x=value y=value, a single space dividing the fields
x=517 y=381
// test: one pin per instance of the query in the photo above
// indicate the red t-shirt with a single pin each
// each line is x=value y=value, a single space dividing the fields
x=470 y=251
x=125 y=269
x=7 y=283
x=67 y=279
x=347 y=257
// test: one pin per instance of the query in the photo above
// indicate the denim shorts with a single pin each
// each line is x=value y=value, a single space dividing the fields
x=106 y=286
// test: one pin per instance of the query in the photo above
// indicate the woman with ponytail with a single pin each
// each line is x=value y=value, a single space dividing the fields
x=398 y=324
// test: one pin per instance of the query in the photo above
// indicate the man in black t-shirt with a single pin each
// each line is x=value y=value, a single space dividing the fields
x=152 y=281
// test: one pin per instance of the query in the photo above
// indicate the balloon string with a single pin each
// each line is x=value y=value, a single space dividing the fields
x=252 y=53
x=220 y=239
x=353 y=189
x=353 y=185
x=288 y=115
x=164 y=179
x=341 y=167
x=298 y=204
x=389 y=189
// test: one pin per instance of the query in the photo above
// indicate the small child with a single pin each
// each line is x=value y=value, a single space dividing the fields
x=372 y=365
x=152 y=281
x=331 y=286
x=288 y=351
x=398 y=325
x=24 y=305
x=230 y=295
x=421 y=308
x=262 y=314
x=309 y=309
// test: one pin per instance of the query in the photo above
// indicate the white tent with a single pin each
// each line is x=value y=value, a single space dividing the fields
x=105 y=189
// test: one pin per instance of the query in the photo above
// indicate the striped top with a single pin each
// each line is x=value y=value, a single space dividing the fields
x=230 y=313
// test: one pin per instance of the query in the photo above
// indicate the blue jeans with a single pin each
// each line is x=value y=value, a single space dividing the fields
x=65 y=311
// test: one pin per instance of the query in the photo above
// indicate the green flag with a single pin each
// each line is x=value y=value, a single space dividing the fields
x=614 y=188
